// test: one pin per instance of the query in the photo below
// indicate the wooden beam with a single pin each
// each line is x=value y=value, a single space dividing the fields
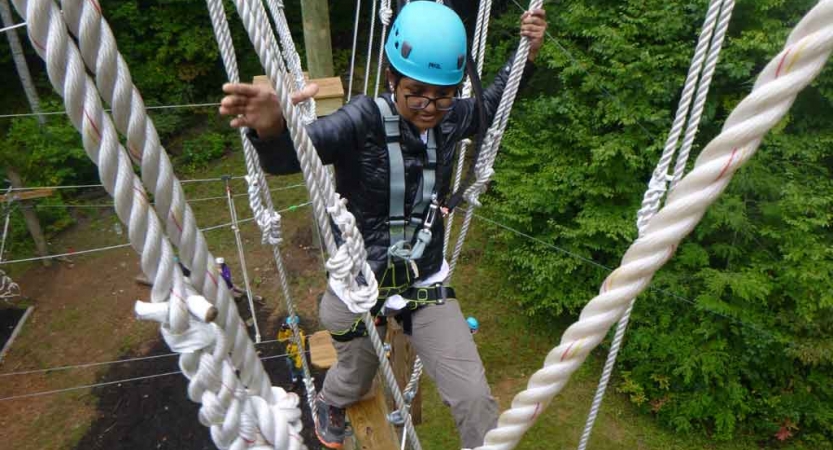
x=402 y=357
x=369 y=420
x=26 y=195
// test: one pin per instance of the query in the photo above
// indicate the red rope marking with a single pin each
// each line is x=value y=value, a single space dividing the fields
x=96 y=6
x=37 y=44
x=213 y=278
x=92 y=122
x=537 y=411
x=176 y=222
x=731 y=159
x=564 y=355
x=141 y=194
x=781 y=64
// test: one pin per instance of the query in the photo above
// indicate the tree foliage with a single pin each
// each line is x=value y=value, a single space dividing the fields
x=735 y=335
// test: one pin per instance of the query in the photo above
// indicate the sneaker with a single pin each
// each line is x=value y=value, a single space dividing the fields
x=329 y=424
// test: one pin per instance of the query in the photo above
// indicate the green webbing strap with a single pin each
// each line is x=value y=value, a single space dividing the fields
x=397 y=220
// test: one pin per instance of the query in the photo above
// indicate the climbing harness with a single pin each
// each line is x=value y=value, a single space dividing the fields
x=410 y=233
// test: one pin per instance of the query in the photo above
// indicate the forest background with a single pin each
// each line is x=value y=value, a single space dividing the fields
x=748 y=351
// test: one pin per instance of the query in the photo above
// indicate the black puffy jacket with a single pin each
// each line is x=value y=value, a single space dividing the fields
x=353 y=139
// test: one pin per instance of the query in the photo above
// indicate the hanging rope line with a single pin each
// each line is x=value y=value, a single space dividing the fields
x=804 y=55
x=260 y=199
x=370 y=45
x=214 y=333
x=711 y=37
x=290 y=56
x=349 y=260
x=478 y=49
x=491 y=145
x=353 y=53
x=241 y=256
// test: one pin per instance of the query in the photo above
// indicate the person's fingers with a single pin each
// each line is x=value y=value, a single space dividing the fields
x=309 y=91
x=247 y=90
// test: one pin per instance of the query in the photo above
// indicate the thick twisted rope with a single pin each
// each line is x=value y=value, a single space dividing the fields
x=258 y=189
x=114 y=82
x=181 y=329
x=290 y=55
x=803 y=57
x=712 y=37
x=491 y=144
x=347 y=261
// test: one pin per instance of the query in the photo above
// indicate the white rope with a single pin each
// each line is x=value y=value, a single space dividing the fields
x=385 y=14
x=241 y=256
x=353 y=53
x=711 y=37
x=260 y=199
x=350 y=259
x=290 y=55
x=370 y=45
x=213 y=377
x=478 y=48
x=803 y=57
x=491 y=144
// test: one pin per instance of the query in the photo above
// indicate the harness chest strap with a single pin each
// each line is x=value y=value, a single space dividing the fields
x=402 y=226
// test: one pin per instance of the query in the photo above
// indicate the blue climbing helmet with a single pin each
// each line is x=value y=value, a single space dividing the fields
x=427 y=42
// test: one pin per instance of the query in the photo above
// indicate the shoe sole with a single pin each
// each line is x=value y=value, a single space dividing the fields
x=332 y=445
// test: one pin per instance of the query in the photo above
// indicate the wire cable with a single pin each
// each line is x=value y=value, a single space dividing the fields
x=56 y=113
x=110 y=383
x=112 y=247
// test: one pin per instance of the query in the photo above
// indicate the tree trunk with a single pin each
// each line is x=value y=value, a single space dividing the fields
x=20 y=61
x=32 y=222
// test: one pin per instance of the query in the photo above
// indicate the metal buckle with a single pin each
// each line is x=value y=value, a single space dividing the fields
x=432 y=213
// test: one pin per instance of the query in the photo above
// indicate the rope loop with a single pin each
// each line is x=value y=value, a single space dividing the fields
x=385 y=13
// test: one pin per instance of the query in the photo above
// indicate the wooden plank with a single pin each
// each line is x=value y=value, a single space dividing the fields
x=322 y=352
x=368 y=418
x=27 y=195
x=402 y=357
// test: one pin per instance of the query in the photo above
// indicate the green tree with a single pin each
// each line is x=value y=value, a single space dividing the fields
x=736 y=335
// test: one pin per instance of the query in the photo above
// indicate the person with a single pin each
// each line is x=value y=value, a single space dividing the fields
x=395 y=179
x=295 y=353
x=225 y=272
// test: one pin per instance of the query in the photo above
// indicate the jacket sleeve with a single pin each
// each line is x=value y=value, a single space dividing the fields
x=335 y=137
x=465 y=109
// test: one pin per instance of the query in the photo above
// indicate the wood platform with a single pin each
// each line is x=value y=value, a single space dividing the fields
x=330 y=95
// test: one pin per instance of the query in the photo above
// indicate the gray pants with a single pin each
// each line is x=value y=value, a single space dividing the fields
x=443 y=342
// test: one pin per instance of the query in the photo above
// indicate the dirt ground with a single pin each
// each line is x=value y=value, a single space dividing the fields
x=84 y=313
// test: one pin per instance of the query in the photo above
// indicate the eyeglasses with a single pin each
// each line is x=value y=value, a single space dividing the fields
x=419 y=102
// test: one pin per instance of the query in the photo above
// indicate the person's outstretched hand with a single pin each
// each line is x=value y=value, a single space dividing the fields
x=257 y=106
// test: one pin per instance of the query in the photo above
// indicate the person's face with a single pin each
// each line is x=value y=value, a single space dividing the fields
x=422 y=104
